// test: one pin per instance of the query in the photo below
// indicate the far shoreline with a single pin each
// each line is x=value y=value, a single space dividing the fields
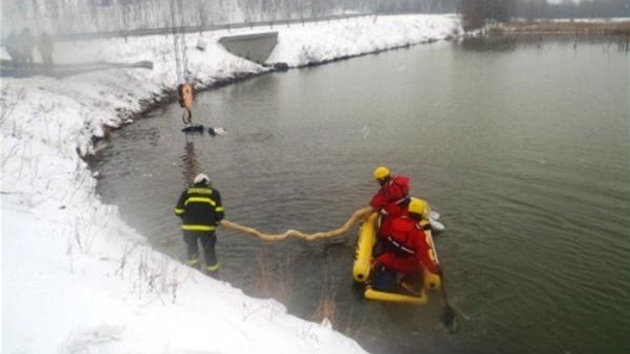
x=617 y=27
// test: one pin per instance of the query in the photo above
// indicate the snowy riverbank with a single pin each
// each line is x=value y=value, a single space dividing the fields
x=75 y=278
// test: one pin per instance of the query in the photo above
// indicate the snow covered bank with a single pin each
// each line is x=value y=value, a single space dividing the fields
x=75 y=278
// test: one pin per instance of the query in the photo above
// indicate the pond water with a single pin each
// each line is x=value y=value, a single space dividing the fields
x=523 y=149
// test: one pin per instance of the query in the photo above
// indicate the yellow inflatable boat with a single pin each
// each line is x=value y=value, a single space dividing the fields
x=363 y=265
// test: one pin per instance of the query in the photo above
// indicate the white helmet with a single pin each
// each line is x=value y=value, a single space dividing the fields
x=201 y=178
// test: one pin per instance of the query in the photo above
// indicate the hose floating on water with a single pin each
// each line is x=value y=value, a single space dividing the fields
x=358 y=215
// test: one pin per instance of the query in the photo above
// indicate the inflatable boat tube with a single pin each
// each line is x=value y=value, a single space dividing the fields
x=379 y=295
x=363 y=253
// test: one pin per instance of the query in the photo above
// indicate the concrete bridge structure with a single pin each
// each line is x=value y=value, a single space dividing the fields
x=255 y=46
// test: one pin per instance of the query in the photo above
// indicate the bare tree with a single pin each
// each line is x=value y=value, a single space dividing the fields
x=202 y=13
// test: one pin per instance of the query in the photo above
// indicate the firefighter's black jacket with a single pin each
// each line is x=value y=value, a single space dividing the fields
x=200 y=208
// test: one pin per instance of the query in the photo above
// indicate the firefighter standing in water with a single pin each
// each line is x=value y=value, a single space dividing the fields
x=407 y=251
x=200 y=209
x=392 y=198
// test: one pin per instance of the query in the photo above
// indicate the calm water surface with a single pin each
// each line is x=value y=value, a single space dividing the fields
x=524 y=152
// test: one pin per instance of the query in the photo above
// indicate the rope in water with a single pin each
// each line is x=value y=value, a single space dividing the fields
x=360 y=214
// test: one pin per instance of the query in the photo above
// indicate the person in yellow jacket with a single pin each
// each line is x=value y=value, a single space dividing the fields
x=200 y=209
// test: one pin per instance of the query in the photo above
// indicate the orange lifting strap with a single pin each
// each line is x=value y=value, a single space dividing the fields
x=186 y=95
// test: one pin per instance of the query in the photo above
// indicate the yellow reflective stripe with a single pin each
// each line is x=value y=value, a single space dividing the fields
x=219 y=209
x=199 y=190
x=198 y=227
x=213 y=268
x=192 y=262
x=179 y=211
x=200 y=200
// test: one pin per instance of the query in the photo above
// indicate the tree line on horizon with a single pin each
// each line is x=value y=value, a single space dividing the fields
x=475 y=13
x=78 y=16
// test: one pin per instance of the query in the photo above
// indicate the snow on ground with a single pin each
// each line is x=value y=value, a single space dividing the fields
x=75 y=278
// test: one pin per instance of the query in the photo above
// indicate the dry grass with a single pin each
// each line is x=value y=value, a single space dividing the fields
x=278 y=284
x=327 y=307
x=273 y=283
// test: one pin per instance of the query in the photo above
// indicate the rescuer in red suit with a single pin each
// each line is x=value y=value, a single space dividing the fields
x=392 y=198
x=406 y=249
